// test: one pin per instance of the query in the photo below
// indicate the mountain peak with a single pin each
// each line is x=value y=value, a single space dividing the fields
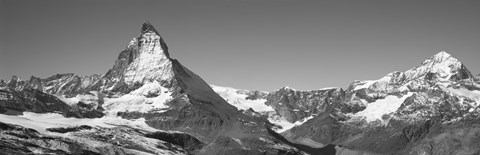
x=441 y=56
x=444 y=65
x=151 y=38
x=443 y=61
x=147 y=27
x=146 y=58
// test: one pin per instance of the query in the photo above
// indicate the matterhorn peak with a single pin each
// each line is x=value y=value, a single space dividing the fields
x=148 y=28
x=151 y=40
x=146 y=58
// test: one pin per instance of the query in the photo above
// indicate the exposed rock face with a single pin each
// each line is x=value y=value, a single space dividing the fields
x=296 y=105
x=3 y=83
x=186 y=141
x=285 y=107
x=64 y=84
x=146 y=58
x=410 y=108
x=458 y=138
x=69 y=129
x=33 y=100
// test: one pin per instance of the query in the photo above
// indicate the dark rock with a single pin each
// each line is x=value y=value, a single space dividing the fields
x=69 y=129
x=34 y=100
x=295 y=105
x=186 y=141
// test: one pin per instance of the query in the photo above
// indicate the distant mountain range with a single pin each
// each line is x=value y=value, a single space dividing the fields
x=149 y=103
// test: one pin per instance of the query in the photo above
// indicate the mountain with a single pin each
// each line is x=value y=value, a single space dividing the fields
x=146 y=88
x=429 y=109
x=149 y=103
x=285 y=107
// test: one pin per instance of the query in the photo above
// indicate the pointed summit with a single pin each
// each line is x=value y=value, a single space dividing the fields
x=146 y=58
x=150 y=35
x=441 y=56
x=442 y=61
x=147 y=27
x=443 y=65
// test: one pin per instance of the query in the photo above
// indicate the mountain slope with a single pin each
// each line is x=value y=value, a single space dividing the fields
x=149 y=103
x=285 y=107
x=146 y=84
x=408 y=107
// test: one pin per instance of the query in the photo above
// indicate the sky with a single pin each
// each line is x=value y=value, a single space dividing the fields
x=248 y=44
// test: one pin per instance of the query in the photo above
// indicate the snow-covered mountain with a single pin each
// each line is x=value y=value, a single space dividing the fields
x=435 y=100
x=429 y=109
x=149 y=103
x=144 y=88
x=285 y=107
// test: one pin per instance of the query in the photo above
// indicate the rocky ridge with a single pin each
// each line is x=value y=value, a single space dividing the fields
x=410 y=108
x=285 y=107
x=145 y=83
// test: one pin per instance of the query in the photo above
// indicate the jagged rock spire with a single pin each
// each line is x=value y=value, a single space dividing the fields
x=146 y=35
x=147 y=27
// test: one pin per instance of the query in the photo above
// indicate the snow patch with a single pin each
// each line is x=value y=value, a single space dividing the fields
x=237 y=140
x=93 y=98
x=41 y=122
x=328 y=88
x=69 y=101
x=473 y=95
x=286 y=125
x=300 y=122
x=380 y=107
x=238 y=100
x=139 y=100
x=364 y=84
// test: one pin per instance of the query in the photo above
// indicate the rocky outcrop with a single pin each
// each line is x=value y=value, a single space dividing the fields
x=454 y=138
x=33 y=100
x=63 y=84
x=296 y=105
x=186 y=141
x=69 y=129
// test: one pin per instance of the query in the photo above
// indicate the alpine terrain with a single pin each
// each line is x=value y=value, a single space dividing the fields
x=149 y=103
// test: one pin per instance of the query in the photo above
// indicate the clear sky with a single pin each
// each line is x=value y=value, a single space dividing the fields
x=250 y=44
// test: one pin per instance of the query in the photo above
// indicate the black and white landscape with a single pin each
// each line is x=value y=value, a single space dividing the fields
x=148 y=102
